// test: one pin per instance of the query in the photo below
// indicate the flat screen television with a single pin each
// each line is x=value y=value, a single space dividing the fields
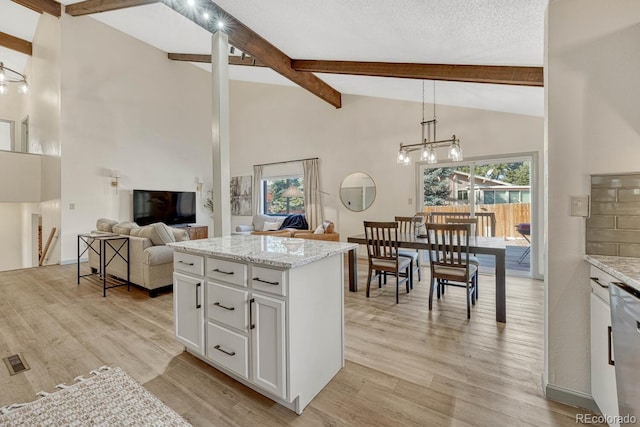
x=170 y=207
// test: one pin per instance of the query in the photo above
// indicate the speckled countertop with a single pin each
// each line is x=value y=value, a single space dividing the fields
x=625 y=269
x=269 y=250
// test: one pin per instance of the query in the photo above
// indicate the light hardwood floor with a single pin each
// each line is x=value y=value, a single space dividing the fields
x=404 y=364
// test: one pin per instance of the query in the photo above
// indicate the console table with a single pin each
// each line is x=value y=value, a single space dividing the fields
x=117 y=244
x=197 y=232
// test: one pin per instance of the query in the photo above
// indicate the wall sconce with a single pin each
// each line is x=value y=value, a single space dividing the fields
x=199 y=183
x=115 y=175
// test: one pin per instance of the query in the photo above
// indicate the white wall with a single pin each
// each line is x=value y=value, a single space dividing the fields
x=10 y=231
x=21 y=177
x=277 y=123
x=44 y=121
x=126 y=106
x=593 y=127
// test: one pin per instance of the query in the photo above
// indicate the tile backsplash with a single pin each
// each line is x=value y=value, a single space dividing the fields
x=614 y=225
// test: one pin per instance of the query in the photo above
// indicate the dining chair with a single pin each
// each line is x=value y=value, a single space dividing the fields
x=383 y=254
x=408 y=224
x=449 y=260
x=473 y=221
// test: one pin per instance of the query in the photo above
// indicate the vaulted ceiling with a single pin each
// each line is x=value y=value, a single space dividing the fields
x=335 y=47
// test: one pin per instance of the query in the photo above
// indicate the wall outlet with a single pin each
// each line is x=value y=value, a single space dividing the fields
x=72 y=206
x=410 y=201
x=580 y=206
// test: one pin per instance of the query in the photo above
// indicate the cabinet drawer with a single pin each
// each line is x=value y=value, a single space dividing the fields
x=227 y=305
x=268 y=280
x=227 y=271
x=229 y=349
x=188 y=263
x=600 y=282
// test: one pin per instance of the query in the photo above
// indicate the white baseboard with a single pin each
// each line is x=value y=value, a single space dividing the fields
x=73 y=261
x=570 y=397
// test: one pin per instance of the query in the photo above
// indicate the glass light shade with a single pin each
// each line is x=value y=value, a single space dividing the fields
x=455 y=152
x=3 y=88
x=23 y=88
x=432 y=156
x=3 y=76
x=403 y=156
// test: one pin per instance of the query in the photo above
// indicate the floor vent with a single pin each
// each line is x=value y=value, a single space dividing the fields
x=16 y=364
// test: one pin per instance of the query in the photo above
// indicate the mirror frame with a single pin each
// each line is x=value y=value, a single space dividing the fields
x=343 y=198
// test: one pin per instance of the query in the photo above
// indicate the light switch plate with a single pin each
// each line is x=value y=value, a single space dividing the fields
x=580 y=206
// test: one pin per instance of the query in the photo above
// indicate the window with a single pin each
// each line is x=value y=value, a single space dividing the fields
x=463 y=195
x=275 y=200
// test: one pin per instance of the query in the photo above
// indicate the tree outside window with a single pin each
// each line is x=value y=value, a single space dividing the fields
x=274 y=201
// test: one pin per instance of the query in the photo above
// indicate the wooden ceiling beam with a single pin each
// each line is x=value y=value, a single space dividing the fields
x=245 y=39
x=14 y=43
x=51 y=7
x=496 y=74
x=88 y=7
x=233 y=59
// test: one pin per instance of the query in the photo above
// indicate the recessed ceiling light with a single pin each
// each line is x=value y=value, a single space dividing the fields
x=191 y=2
x=205 y=16
x=220 y=25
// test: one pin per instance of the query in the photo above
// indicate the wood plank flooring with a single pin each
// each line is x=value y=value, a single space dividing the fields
x=404 y=364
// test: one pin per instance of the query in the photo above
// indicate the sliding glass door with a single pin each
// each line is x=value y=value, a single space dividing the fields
x=496 y=190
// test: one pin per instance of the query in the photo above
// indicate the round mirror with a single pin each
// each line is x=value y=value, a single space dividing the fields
x=357 y=191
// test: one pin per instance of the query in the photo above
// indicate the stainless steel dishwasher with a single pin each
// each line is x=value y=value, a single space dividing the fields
x=625 y=321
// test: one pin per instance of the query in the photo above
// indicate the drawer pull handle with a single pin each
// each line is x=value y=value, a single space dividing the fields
x=251 y=324
x=595 y=279
x=217 y=270
x=610 y=331
x=187 y=263
x=222 y=306
x=198 y=305
x=257 y=279
x=230 y=353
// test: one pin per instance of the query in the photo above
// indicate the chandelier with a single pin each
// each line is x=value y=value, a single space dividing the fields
x=7 y=75
x=429 y=141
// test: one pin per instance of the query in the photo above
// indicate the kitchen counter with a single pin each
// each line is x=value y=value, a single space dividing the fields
x=279 y=252
x=625 y=269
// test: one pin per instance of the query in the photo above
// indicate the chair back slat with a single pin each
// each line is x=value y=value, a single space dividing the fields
x=486 y=224
x=450 y=250
x=382 y=241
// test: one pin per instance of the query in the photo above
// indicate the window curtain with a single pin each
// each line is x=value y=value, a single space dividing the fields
x=257 y=188
x=312 y=194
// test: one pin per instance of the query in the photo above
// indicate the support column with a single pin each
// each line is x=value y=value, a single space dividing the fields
x=220 y=133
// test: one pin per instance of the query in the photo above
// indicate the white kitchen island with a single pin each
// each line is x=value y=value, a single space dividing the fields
x=267 y=311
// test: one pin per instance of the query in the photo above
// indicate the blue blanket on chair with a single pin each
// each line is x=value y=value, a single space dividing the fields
x=297 y=221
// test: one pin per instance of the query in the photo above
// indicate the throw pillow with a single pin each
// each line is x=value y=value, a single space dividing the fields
x=319 y=230
x=270 y=226
x=159 y=233
x=124 y=227
x=180 y=234
x=106 y=225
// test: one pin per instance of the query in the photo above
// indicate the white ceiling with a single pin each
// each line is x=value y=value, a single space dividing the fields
x=489 y=32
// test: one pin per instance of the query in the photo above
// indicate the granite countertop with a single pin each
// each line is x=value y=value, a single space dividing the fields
x=625 y=269
x=280 y=252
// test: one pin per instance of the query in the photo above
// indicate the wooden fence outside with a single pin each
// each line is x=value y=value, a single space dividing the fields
x=508 y=215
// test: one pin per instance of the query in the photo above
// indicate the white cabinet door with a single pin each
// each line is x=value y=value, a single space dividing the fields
x=267 y=316
x=189 y=312
x=603 y=374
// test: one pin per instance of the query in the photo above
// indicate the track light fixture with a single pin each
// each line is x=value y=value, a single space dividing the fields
x=429 y=140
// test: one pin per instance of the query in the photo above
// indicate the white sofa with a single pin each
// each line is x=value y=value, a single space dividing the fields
x=258 y=224
x=150 y=261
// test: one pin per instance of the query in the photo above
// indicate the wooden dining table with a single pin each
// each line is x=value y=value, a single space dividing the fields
x=495 y=246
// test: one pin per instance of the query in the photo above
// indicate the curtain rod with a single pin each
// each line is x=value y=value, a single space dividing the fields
x=288 y=161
